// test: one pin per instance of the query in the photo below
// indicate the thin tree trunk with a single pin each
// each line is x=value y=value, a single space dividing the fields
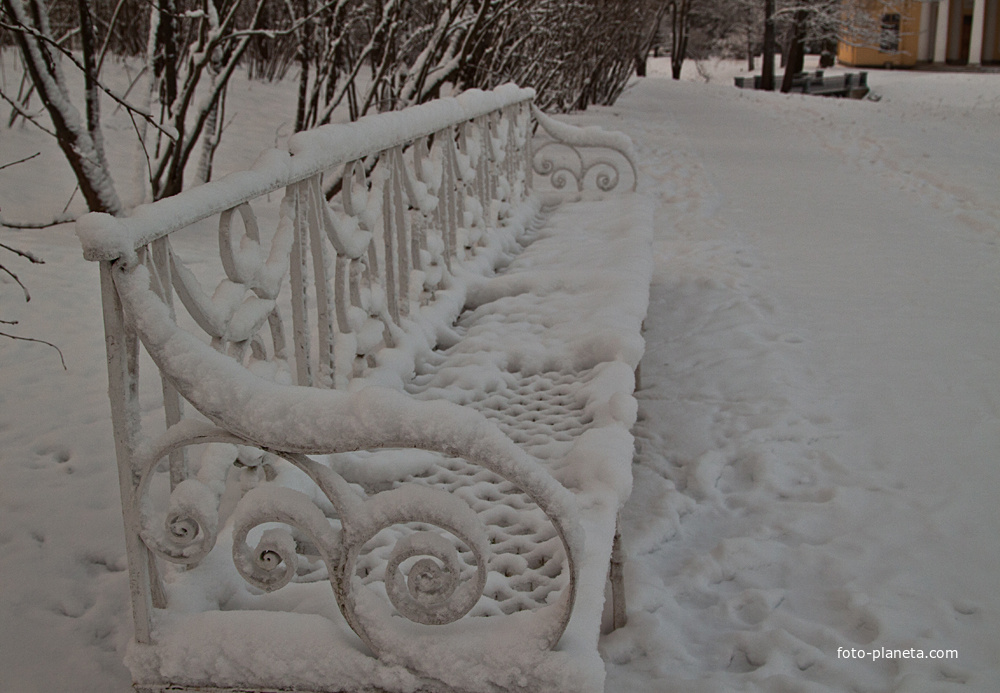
x=796 y=49
x=211 y=138
x=75 y=134
x=767 y=71
x=679 y=29
x=304 y=55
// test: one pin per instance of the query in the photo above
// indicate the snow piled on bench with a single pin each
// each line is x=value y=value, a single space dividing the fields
x=540 y=314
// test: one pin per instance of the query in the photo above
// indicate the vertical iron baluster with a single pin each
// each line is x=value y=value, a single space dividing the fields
x=342 y=297
x=441 y=213
x=123 y=382
x=312 y=191
x=449 y=189
x=298 y=272
x=506 y=126
x=389 y=235
x=401 y=222
x=483 y=175
x=341 y=294
x=460 y=192
x=525 y=116
x=418 y=232
x=483 y=170
x=462 y=187
x=172 y=404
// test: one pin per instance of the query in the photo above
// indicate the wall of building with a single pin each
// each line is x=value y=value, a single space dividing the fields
x=918 y=29
x=909 y=38
x=991 y=33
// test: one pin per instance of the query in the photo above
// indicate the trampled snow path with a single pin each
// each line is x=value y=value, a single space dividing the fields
x=821 y=434
x=821 y=407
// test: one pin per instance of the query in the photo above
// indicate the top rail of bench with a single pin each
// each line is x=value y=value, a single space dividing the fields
x=310 y=152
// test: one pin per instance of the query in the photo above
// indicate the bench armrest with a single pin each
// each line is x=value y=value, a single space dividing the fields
x=585 y=154
x=291 y=422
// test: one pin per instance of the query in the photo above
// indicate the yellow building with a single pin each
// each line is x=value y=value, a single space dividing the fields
x=958 y=32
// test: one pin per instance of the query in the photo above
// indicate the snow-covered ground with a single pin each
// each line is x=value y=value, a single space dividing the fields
x=819 y=435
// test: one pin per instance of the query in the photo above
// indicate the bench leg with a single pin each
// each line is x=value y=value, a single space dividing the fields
x=617 y=577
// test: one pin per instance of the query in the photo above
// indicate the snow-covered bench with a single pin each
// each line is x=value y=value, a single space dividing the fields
x=440 y=432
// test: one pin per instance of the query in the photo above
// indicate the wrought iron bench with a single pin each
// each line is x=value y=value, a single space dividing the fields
x=440 y=432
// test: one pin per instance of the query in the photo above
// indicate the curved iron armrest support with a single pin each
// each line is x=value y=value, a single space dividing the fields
x=565 y=156
x=292 y=422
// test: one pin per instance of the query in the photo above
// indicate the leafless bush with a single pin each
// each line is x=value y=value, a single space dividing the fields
x=356 y=55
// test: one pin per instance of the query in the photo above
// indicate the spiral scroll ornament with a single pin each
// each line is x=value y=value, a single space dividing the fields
x=435 y=574
x=582 y=154
x=190 y=528
x=559 y=166
x=561 y=163
x=272 y=562
x=436 y=589
x=606 y=180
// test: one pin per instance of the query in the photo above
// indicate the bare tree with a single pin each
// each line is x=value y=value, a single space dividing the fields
x=361 y=55
x=388 y=54
x=767 y=68
x=652 y=37
x=680 y=13
x=827 y=22
x=680 y=28
x=795 y=48
x=574 y=53
x=191 y=44
x=79 y=135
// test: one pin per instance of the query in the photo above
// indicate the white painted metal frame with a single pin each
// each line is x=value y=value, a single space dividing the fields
x=375 y=218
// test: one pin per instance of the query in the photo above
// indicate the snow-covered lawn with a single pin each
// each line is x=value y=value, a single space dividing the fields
x=819 y=435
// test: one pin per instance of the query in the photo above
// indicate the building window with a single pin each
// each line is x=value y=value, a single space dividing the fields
x=889 y=40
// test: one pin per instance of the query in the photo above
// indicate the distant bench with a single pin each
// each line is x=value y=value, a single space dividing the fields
x=402 y=367
x=854 y=85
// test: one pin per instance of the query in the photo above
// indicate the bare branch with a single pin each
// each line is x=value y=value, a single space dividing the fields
x=24 y=253
x=107 y=37
x=62 y=219
x=19 y=161
x=39 y=341
x=46 y=73
x=142 y=143
x=145 y=115
x=22 y=96
x=76 y=189
x=288 y=31
x=27 y=296
x=24 y=114
x=131 y=84
x=171 y=166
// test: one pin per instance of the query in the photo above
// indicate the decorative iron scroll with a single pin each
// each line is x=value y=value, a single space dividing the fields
x=435 y=590
x=582 y=155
